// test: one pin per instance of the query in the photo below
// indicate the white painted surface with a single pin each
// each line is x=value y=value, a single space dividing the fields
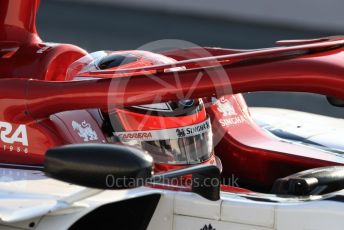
x=163 y=216
x=176 y=210
x=192 y=223
x=193 y=205
x=324 y=130
x=252 y=213
x=312 y=216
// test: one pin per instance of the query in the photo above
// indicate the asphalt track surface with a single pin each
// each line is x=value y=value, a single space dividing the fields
x=97 y=27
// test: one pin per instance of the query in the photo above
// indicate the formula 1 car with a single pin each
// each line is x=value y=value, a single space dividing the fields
x=94 y=121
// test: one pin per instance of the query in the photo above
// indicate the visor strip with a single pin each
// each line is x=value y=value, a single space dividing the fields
x=165 y=134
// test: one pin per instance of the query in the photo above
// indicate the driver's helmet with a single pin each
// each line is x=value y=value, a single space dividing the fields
x=175 y=133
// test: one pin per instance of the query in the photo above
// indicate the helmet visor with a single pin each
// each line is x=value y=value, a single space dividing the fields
x=185 y=145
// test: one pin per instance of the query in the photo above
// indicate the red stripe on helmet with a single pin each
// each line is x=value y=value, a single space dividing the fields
x=133 y=121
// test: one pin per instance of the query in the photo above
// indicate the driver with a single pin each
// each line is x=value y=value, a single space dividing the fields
x=176 y=133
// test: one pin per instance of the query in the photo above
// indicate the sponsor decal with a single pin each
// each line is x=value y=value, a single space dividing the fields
x=225 y=107
x=143 y=135
x=232 y=121
x=189 y=131
x=9 y=175
x=13 y=139
x=229 y=115
x=46 y=46
x=43 y=49
x=85 y=131
x=208 y=227
x=165 y=134
x=180 y=133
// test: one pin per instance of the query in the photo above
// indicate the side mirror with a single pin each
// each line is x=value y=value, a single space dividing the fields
x=335 y=101
x=206 y=179
x=99 y=166
x=315 y=181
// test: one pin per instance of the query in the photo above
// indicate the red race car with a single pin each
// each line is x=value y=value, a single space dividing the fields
x=184 y=106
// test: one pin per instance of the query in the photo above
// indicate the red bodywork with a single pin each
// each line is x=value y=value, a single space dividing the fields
x=33 y=93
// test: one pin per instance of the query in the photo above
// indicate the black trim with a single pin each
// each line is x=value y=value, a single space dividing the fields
x=178 y=109
x=337 y=198
x=261 y=199
x=130 y=214
x=114 y=123
x=90 y=165
x=116 y=60
x=317 y=181
x=21 y=166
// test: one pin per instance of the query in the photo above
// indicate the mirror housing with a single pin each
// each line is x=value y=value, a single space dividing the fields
x=317 y=181
x=206 y=179
x=101 y=166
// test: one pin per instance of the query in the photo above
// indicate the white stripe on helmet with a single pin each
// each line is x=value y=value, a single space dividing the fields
x=165 y=134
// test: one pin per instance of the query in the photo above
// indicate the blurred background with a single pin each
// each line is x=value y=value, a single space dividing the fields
x=129 y=24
